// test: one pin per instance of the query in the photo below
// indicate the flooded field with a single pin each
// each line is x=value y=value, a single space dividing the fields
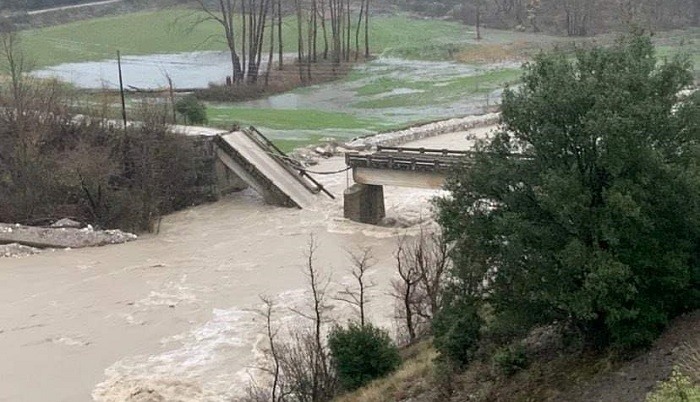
x=383 y=94
x=187 y=70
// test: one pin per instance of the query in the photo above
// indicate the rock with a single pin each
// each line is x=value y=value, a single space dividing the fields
x=61 y=237
x=15 y=250
x=326 y=150
x=66 y=223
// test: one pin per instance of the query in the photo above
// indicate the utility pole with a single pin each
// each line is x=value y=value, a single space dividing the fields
x=121 y=87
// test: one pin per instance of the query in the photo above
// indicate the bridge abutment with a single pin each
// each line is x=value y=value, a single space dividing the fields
x=364 y=203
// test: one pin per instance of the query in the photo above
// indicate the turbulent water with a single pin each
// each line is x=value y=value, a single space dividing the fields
x=174 y=314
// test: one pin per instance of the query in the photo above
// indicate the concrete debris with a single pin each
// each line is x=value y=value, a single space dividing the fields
x=66 y=223
x=63 y=237
x=15 y=250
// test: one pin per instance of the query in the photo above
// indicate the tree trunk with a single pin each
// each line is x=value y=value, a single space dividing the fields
x=279 y=34
x=478 y=19
x=367 y=29
x=244 y=33
x=357 y=30
x=323 y=28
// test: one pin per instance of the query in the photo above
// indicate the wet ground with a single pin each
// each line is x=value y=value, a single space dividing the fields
x=174 y=312
x=384 y=94
x=187 y=70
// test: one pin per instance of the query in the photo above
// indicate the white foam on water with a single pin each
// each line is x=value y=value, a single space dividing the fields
x=202 y=364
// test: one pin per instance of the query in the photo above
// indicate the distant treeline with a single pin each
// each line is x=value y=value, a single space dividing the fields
x=570 y=17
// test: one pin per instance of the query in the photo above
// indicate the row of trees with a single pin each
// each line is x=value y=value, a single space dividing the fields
x=326 y=30
x=570 y=17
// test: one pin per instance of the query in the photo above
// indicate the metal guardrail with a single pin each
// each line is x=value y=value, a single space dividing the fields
x=404 y=161
x=424 y=151
x=293 y=166
x=414 y=159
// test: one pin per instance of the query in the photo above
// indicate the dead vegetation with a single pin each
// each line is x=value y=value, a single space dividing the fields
x=279 y=81
x=54 y=164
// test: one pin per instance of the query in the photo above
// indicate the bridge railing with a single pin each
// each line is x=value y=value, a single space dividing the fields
x=424 y=151
x=294 y=166
x=397 y=161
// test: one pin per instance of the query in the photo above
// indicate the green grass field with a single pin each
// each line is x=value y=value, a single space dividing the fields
x=288 y=119
x=172 y=31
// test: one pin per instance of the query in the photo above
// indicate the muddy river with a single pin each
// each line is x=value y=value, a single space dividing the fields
x=174 y=312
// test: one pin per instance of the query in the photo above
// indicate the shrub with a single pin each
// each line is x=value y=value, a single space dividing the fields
x=510 y=359
x=457 y=332
x=678 y=388
x=361 y=354
x=193 y=110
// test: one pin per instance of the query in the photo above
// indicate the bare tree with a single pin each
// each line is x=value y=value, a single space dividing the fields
x=272 y=389
x=422 y=264
x=276 y=389
x=478 y=19
x=223 y=13
x=578 y=14
x=358 y=298
x=306 y=359
x=405 y=290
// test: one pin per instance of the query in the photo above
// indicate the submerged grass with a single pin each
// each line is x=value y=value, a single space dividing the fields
x=434 y=93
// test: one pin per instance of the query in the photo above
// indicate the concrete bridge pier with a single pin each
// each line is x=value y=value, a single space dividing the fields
x=364 y=203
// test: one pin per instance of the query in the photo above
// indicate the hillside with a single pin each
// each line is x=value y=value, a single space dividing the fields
x=557 y=375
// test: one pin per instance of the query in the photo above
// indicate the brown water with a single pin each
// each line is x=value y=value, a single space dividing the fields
x=174 y=312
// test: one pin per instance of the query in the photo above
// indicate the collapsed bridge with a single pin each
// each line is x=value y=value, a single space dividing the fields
x=250 y=159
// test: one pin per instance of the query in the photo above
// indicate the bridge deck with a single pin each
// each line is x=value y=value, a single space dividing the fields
x=408 y=159
x=270 y=175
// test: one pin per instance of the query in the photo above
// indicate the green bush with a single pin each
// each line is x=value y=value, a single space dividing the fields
x=361 y=354
x=510 y=359
x=192 y=110
x=678 y=388
x=457 y=328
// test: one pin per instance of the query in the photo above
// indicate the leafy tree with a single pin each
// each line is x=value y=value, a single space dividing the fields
x=456 y=328
x=585 y=208
x=194 y=111
x=362 y=353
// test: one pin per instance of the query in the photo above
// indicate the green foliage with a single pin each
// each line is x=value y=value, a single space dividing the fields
x=510 y=359
x=678 y=388
x=361 y=354
x=597 y=224
x=456 y=328
x=193 y=110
